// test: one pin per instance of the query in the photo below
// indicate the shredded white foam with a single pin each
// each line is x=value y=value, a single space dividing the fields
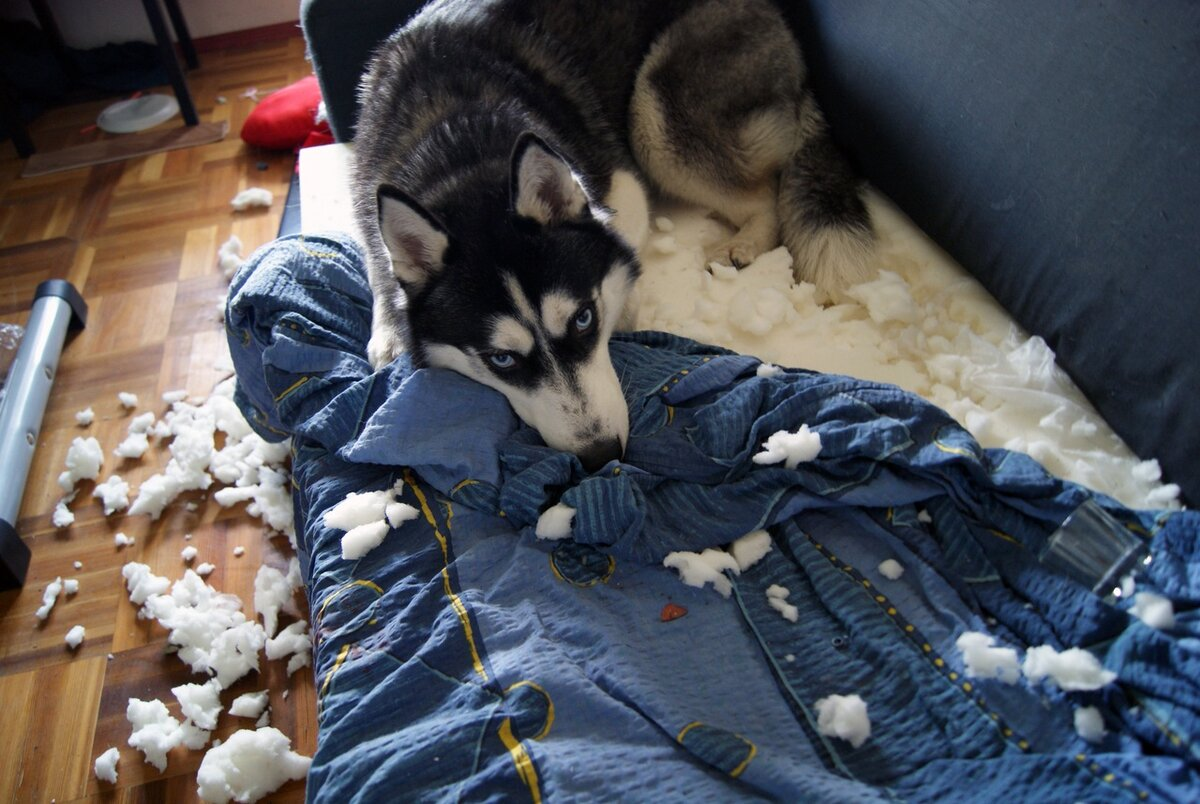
x=844 y=717
x=1089 y=724
x=555 y=522
x=923 y=324
x=249 y=765
x=981 y=659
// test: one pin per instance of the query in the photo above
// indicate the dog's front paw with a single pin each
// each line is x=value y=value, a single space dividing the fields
x=383 y=348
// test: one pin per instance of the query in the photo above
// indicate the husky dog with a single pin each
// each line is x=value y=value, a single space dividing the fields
x=504 y=153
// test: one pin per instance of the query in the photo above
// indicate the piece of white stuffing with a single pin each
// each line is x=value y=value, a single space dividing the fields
x=75 y=636
x=1072 y=669
x=292 y=641
x=85 y=417
x=768 y=370
x=205 y=569
x=272 y=591
x=188 y=554
x=397 y=513
x=750 y=549
x=83 y=462
x=982 y=660
x=699 y=569
x=844 y=717
x=1154 y=610
x=891 y=569
x=49 y=598
x=229 y=257
x=133 y=446
x=106 y=765
x=141 y=423
x=121 y=540
x=171 y=397
x=252 y=197
x=78 y=565
x=792 y=449
x=63 y=516
x=128 y=400
x=154 y=733
x=777 y=599
x=142 y=583
x=250 y=704
x=114 y=493
x=365 y=518
x=71 y=586
x=200 y=703
x=239 y=551
x=555 y=522
x=248 y=766
x=1089 y=724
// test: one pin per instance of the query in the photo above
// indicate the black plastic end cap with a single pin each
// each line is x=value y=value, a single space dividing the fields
x=14 y=557
x=67 y=292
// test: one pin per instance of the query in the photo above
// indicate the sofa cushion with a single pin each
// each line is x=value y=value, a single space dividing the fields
x=1051 y=149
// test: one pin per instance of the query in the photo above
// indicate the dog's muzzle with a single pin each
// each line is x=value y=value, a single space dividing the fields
x=598 y=453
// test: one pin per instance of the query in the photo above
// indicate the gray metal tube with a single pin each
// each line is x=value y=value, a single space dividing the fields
x=56 y=307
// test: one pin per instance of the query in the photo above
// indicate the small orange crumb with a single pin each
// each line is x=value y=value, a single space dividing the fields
x=672 y=611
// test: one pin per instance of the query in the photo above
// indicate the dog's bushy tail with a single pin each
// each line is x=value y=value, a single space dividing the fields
x=822 y=218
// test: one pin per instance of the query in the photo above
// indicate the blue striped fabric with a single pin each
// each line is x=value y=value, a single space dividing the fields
x=464 y=658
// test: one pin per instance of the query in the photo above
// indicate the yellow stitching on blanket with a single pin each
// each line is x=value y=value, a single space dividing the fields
x=521 y=759
x=341 y=657
x=455 y=601
x=549 y=704
x=463 y=484
x=292 y=387
x=368 y=584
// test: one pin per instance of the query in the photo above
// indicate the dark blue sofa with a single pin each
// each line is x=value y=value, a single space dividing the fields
x=1049 y=147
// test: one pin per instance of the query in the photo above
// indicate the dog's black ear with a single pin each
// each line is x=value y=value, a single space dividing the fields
x=543 y=187
x=415 y=240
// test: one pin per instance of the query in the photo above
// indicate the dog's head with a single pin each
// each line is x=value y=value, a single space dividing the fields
x=523 y=302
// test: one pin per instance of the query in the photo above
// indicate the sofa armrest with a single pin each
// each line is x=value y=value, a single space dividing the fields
x=342 y=35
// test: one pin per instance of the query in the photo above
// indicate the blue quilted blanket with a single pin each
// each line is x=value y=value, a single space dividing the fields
x=466 y=659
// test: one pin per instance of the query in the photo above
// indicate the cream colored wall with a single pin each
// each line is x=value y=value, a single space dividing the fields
x=91 y=23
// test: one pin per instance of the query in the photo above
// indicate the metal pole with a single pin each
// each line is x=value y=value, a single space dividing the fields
x=57 y=307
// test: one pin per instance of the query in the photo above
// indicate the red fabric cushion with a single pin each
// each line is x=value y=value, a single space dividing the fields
x=285 y=119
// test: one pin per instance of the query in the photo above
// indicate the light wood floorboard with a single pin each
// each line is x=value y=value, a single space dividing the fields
x=139 y=239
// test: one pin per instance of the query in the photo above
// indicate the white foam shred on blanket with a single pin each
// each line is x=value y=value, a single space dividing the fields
x=1071 y=669
x=1089 y=724
x=983 y=659
x=707 y=567
x=1154 y=610
x=844 y=717
x=555 y=522
x=791 y=449
x=367 y=518
x=750 y=549
x=924 y=324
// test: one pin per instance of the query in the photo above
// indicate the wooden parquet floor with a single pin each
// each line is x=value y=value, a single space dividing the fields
x=139 y=239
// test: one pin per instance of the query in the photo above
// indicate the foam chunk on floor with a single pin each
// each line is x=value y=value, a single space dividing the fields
x=248 y=766
x=105 y=765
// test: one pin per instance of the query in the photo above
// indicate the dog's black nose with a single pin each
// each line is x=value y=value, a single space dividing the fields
x=598 y=453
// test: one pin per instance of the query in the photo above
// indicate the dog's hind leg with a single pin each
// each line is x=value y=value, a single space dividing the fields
x=720 y=117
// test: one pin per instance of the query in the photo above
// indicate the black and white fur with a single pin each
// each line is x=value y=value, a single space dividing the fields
x=504 y=154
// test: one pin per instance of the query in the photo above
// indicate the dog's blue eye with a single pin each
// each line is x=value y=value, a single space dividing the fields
x=502 y=360
x=584 y=319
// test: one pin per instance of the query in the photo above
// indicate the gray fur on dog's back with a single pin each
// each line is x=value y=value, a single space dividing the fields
x=704 y=100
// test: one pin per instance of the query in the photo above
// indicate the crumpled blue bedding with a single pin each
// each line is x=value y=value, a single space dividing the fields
x=466 y=659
